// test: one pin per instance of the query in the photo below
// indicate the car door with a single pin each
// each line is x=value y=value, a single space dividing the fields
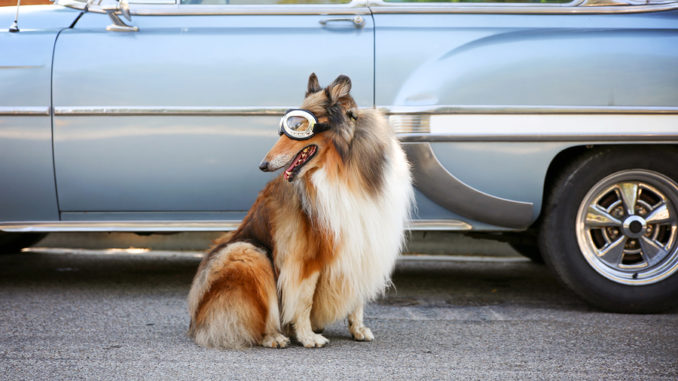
x=167 y=119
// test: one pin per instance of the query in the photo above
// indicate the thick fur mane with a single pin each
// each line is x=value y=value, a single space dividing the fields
x=366 y=156
x=365 y=208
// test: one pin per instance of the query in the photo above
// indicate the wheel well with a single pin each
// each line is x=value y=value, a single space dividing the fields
x=571 y=154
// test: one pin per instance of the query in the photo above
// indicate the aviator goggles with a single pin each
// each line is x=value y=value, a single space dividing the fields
x=299 y=124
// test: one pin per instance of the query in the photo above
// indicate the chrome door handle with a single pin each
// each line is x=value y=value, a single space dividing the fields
x=358 y=21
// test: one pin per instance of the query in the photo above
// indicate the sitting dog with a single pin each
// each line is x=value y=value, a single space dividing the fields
x=320 y=240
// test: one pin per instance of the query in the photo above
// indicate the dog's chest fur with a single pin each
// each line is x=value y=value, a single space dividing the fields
x=368 y=233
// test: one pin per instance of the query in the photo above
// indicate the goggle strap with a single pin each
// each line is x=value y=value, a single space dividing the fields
x=320 y=127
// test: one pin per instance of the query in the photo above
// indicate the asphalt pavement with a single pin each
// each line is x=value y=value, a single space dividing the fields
x=121 y=315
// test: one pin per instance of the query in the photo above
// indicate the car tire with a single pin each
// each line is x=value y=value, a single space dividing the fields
x=525 y=243
x=529 y=250
x=11 y=243
x=610 y=226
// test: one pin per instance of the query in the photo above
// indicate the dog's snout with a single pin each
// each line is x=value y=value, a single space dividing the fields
x=264 y=166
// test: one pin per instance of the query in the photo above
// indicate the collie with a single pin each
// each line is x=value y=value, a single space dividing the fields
x=320 y=240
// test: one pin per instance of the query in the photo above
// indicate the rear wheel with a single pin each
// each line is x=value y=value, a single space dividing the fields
x=610 y=229
x=14 y=242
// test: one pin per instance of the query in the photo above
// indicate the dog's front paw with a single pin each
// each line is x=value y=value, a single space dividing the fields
x=313 y=340
x=361 y=333
x=276 y=340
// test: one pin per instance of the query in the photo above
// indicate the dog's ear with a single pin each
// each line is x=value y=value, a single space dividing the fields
x=338 y=89
x=313 y=85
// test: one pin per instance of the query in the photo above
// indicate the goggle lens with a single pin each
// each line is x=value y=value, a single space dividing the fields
x=298 y=123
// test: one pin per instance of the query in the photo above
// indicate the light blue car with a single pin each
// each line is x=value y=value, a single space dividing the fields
x=551 y=125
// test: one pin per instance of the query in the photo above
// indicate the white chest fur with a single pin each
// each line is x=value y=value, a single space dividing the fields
x=368 y=229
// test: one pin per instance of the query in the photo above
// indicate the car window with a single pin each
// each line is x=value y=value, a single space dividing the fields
x=263 y=2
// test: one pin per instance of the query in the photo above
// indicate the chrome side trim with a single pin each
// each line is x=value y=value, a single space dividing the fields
x=441 y=138
x=244 y=10
x=443 y=188
x=494 y=8
x=543 y=127
x=438 y=123
x=378 y=6
x=410 y=123
x=136 y=9
x=119 y=226
x=169 y=111
x=546 y=109
x=180 y=226
x=438 y=225
x=400 y=110
x=24 y=111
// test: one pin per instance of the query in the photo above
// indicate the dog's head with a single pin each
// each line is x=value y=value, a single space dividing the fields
x=335 y=114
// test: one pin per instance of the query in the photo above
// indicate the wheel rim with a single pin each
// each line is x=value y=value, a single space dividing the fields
x=627 y=226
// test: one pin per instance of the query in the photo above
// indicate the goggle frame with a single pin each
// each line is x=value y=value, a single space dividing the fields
x=313 y=128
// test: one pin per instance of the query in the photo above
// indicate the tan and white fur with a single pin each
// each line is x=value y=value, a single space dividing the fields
x=319 y=242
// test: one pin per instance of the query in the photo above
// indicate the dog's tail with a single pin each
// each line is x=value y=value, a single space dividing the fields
x=233 y=301
x=222 y=239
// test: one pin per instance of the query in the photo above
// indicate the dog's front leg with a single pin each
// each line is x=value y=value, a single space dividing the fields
x=356 y=326
x=297 y=301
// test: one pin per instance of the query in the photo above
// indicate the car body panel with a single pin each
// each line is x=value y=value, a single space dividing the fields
x=513 y=165
x=495 y=90
x=162 y=128
x=538 y=60
x=28 y=192
x=155 y=163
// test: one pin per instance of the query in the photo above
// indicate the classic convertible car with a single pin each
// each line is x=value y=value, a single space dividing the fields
x=552 y=125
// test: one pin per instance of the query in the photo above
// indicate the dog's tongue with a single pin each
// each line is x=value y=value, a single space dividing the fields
x=300 y=159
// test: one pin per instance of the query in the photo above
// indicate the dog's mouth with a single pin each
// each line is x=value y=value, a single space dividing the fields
x=299 y=161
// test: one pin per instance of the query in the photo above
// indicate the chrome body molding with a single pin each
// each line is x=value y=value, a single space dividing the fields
x=442 y=225
x=170 y=111
x=441 y=138
x=353 y=8
x=182 y=226
x=520 y=109
x=410 y=123
x=442 y=123
x=542 y=127
x=486 y=8
x=24 y=111
x=443 y=188
x=394 y=110
x=574 y=137
x=378 y=6
x=575 y=7
x=207 y=10
x=119 y=226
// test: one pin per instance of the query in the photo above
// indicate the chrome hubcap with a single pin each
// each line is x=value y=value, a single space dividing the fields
x=627 y=227
x=634 y=227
